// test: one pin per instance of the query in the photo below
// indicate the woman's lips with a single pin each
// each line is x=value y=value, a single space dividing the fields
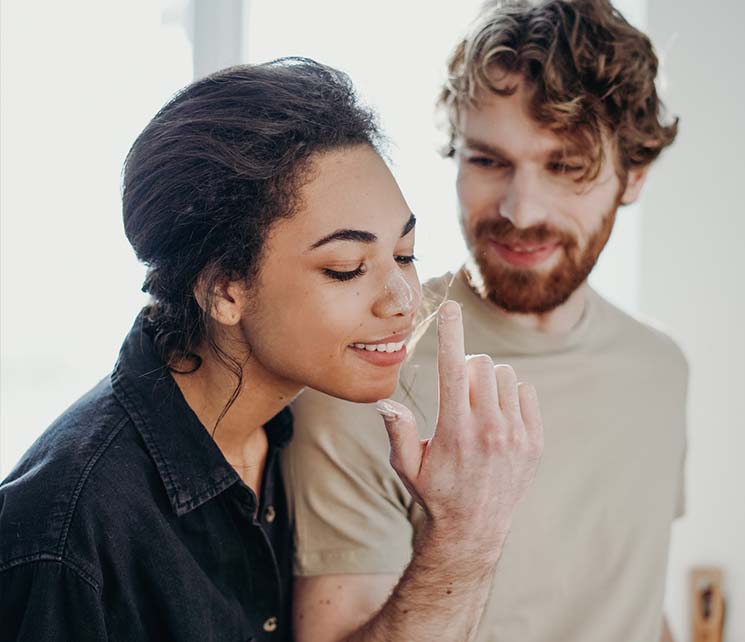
x=524 y=256
x=382 y=358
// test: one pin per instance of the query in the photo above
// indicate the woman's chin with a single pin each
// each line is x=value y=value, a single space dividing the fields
x=364 y=393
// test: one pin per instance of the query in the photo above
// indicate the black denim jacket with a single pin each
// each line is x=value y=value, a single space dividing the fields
x=125 y=522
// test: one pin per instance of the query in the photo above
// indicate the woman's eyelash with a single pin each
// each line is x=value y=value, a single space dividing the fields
x=345 y=276
x=404 y=259
x=353 y=274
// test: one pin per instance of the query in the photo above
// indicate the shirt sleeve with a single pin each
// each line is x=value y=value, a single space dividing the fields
x=350 y=510
x=49 y=601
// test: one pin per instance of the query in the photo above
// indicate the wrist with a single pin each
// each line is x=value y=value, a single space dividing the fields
x=446 y=545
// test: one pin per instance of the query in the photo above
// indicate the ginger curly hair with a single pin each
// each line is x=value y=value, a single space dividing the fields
x=591 y=74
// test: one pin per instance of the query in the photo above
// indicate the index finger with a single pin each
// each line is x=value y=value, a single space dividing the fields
x=451 y=361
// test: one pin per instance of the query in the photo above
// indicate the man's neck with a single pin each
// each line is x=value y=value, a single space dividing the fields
x=558 y=321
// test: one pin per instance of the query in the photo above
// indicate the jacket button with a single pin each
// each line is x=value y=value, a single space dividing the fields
x=270 y=513
x=270 y=625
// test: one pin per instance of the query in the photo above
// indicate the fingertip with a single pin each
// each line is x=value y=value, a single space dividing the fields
x=449 y=311
x=388 y=410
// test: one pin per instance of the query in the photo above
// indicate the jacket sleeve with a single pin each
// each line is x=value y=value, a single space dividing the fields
x=49 y=600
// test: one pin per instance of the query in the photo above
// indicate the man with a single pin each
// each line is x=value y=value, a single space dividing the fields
x=554 y=123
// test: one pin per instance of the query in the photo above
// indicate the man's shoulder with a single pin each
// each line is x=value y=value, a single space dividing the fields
x=326 y=422
x=41 y=496
x=438 y=287
x=641 y=337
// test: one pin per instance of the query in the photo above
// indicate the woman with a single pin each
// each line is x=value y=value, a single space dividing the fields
x=256 y=197
x=280 y=255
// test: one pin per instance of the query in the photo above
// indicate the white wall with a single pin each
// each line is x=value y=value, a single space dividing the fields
x=693 y=268
x=78 y=81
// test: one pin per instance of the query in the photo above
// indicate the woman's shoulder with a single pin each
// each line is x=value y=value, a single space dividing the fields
x=80 y=466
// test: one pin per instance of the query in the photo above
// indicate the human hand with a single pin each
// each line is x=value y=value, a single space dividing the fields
x=485 y=450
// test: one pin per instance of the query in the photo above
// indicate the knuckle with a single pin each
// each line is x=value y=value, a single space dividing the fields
x=463 y=446
x=490 y=425
x=455 y=377
x=493 y=440
x=452 y=389
x=395 y=463
x=510 y=404
x=488 y=441
x=518 y=439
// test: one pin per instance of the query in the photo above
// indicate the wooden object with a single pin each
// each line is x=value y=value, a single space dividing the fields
x=707 y=603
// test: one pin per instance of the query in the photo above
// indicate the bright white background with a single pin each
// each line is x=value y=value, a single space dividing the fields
x=80 y=79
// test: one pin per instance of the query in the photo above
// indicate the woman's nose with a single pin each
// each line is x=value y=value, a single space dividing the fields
x=397 y=296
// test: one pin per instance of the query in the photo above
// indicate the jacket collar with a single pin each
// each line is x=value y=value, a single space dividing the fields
x=188 y=460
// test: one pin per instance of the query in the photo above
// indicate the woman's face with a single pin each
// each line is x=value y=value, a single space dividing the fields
x=337 y=290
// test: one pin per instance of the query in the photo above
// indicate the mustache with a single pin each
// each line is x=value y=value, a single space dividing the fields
x=503 y=231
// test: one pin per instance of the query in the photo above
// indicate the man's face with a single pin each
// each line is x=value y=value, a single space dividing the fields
x=533 y=231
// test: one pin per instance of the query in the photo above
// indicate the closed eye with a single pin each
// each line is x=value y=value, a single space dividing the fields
x=403 y=259
x=345 y=276
x=339 y=275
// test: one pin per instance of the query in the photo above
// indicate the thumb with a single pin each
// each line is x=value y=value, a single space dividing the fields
x=406 y=448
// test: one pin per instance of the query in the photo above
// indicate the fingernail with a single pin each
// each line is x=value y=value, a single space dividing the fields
x=449 y=310
x=387 y=410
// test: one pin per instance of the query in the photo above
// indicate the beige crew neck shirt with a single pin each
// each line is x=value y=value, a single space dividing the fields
x=586 y=558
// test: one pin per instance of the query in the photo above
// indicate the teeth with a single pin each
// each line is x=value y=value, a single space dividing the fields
x=380 y=347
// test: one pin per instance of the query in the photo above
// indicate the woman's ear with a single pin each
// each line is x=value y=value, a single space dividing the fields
x=228 y=299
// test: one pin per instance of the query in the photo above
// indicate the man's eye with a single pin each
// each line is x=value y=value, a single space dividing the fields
x=485 y=161
x=566 y=168
x=345 y=276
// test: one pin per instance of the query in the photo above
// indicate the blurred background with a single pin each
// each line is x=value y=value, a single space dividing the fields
x=80 y=79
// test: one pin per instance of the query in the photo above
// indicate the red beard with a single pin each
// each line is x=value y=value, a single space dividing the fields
x=529 y=291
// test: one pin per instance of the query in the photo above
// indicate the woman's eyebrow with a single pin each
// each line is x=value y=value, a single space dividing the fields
x=409 y=225
x=359 y=236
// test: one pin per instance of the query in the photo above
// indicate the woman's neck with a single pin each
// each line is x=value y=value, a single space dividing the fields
x=239 y=433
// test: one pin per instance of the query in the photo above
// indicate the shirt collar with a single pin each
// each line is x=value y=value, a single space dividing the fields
x=188 y=460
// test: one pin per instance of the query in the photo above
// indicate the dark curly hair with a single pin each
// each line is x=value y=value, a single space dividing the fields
x=590 y=71
x=210 y=174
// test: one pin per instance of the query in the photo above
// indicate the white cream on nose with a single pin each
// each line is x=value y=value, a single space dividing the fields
x=399 y=292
